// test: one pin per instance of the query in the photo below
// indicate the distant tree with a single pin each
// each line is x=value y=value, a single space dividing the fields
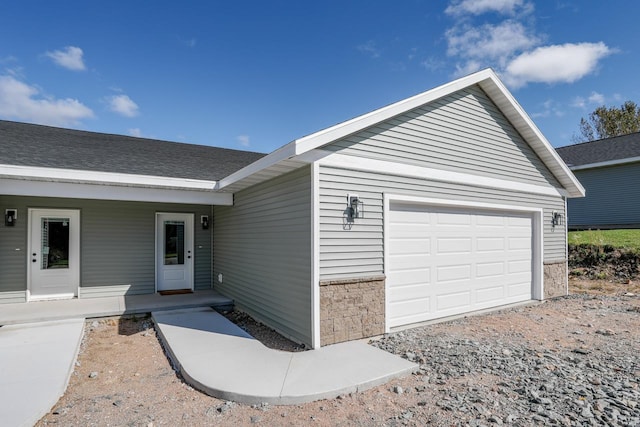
x=606 y=122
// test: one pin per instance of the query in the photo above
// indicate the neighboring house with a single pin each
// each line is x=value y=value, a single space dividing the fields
x=609 y=169
x=438 y=205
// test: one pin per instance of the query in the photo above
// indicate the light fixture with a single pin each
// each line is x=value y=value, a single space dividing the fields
x=352 y=206
x=10 y=216
x=556 y=218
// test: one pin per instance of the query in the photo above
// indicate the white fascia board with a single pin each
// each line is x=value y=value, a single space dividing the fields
x=530 y=132
x=283 y=153
x=412 y=171
x=607 y=163
x=108 y=178
x=40 y=188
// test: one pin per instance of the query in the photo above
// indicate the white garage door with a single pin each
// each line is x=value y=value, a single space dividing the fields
x=447 y=261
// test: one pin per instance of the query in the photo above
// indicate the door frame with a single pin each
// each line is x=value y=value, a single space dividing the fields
x=537 y=231
x=190 y=226
x=75 y=237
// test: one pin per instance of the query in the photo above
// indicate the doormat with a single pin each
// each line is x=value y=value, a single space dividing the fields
x=176 y=292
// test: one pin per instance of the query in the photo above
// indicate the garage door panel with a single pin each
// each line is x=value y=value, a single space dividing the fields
x=409 y=277
x=490 y=294
x=516 y=243
x=409 y=246
x=489 y=269
x=449 y=218
x=409 y=262
x=519 y=266
x=452 y=273
x=454 y=245
x=453 y=300
x=490 y=221
x=519 y=289
x=520 y=221
x=412 y=310
x=468 y=260
x=410 y=292
x=490 y=244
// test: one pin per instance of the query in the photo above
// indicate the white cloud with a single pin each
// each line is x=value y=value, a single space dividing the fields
x=489 y=43
x=549 y=108
x=243 y=140
x=478 y=7
x=20 y=101
x=596 y=98
x=135 y=132
x=70 y=58
x=123 y=105
x=555 y=64
x=370 y=48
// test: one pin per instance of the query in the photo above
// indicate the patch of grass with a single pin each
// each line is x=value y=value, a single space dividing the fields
x=625 y=238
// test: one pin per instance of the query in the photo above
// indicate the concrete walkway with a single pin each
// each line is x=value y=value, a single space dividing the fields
x=36 y=361
x=217 y=357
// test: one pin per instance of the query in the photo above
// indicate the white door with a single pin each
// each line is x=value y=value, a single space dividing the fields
x=54 y=253
x=444 y=261
x=174 y=251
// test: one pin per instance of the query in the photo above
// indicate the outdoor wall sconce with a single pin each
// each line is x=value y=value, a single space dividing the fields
x=204 y=220
x=556 y=218
x=352 y=206
x=10 y=216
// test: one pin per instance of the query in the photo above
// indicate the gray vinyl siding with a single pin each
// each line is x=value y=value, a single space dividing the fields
x=611 y=198
x=358 y=250
x=462 y=132
x=117 y=244
x=262 y=248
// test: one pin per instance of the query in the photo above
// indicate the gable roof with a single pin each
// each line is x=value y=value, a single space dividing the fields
x=304 y=150
x=40 y=146
x=603 y=152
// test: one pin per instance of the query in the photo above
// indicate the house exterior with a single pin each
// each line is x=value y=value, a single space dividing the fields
x=609 y=169
x=438 y=205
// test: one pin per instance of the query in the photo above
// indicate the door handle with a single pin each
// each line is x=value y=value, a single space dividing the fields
x=34 y=259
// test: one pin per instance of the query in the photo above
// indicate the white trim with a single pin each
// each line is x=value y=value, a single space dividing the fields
x=84 y=176
x=18 y=187
x=486 y=79
x=315 y=257
x=605 y=163
x=537 y=255
x=190 y=225
x=283 y=153
x=401 y=169
x=385 y=258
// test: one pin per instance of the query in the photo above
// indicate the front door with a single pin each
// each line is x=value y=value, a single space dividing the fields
x=54 y=253
x=174 y=251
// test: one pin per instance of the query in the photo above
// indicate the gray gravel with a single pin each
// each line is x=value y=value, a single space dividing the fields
x=525 y=383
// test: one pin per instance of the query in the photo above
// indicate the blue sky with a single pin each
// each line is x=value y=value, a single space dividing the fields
x=255 y=75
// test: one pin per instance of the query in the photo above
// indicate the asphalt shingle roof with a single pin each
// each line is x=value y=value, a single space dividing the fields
x=44 y=146
x=602 y=150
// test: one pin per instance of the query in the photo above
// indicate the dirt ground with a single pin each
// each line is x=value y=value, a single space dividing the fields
x=123 y=377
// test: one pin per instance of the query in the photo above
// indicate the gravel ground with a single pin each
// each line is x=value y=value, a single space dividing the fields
x=569 y=361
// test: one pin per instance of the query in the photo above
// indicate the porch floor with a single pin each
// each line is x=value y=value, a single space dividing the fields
x=41 y=311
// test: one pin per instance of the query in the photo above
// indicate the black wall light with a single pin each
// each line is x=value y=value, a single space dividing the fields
x=352 y=206
x=204 y=220
x=10 y=217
